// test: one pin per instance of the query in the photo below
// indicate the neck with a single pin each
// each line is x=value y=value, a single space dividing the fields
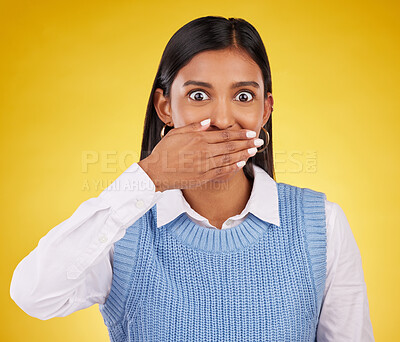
x=218 y=200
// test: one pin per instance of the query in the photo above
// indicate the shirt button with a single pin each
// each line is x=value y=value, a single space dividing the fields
x=139 y=204
x=228 y=222
x=103 y=239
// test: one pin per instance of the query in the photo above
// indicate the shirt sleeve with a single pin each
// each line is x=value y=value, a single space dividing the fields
x=345 y=310
x=71 y=267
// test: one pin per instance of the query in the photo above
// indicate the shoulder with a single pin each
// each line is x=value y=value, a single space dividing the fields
x=339 y=233
x=307 y=193
x=331 y=212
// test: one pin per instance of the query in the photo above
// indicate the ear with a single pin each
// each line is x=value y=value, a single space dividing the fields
x=162 y=106
x=268 y=105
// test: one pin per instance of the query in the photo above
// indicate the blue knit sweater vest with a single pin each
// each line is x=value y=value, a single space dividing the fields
x=251 y=282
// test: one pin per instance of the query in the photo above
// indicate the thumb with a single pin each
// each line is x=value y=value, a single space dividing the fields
x=194 y=126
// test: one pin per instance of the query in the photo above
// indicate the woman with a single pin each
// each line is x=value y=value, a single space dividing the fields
x=196 y=241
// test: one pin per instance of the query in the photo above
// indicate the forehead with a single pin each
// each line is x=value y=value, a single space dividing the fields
x=224 y=64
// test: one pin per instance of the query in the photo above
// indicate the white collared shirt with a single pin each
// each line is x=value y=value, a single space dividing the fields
x=263 y=203
x=71 y=267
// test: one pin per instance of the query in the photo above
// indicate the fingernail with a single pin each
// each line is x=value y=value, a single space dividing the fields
x=251 y=134
x=205 y=122
x=241 y=163
x=258 y=142
x=252 y=150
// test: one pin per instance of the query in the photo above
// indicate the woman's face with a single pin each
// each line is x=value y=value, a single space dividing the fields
x=226 y=86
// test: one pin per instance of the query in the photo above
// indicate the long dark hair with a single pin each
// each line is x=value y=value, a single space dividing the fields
x=202 y=34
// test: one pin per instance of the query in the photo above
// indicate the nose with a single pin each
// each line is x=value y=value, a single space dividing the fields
x=222 y=116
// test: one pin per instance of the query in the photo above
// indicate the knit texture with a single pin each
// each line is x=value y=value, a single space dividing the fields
x=252 y=282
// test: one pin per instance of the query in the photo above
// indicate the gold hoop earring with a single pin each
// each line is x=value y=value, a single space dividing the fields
x=163 y=130
x=267 y=135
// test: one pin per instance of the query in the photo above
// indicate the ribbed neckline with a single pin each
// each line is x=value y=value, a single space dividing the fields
x=236 y=238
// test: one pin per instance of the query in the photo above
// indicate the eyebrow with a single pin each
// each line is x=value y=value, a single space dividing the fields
x=233 y=86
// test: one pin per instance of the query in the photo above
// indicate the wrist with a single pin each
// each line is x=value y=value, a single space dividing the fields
x=146 y=166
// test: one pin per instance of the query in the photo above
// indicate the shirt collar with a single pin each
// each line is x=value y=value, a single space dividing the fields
x=263 y=202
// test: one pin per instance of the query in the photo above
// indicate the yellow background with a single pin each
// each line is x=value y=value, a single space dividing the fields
x=76 y=76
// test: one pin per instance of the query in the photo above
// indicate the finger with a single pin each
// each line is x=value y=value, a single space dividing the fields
x=213 y=137
x=220 y=171
x=230 y=158
x=232 y=147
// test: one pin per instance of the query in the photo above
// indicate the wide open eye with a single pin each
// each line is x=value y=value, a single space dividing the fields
x=243 y=95
x=198 y=95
